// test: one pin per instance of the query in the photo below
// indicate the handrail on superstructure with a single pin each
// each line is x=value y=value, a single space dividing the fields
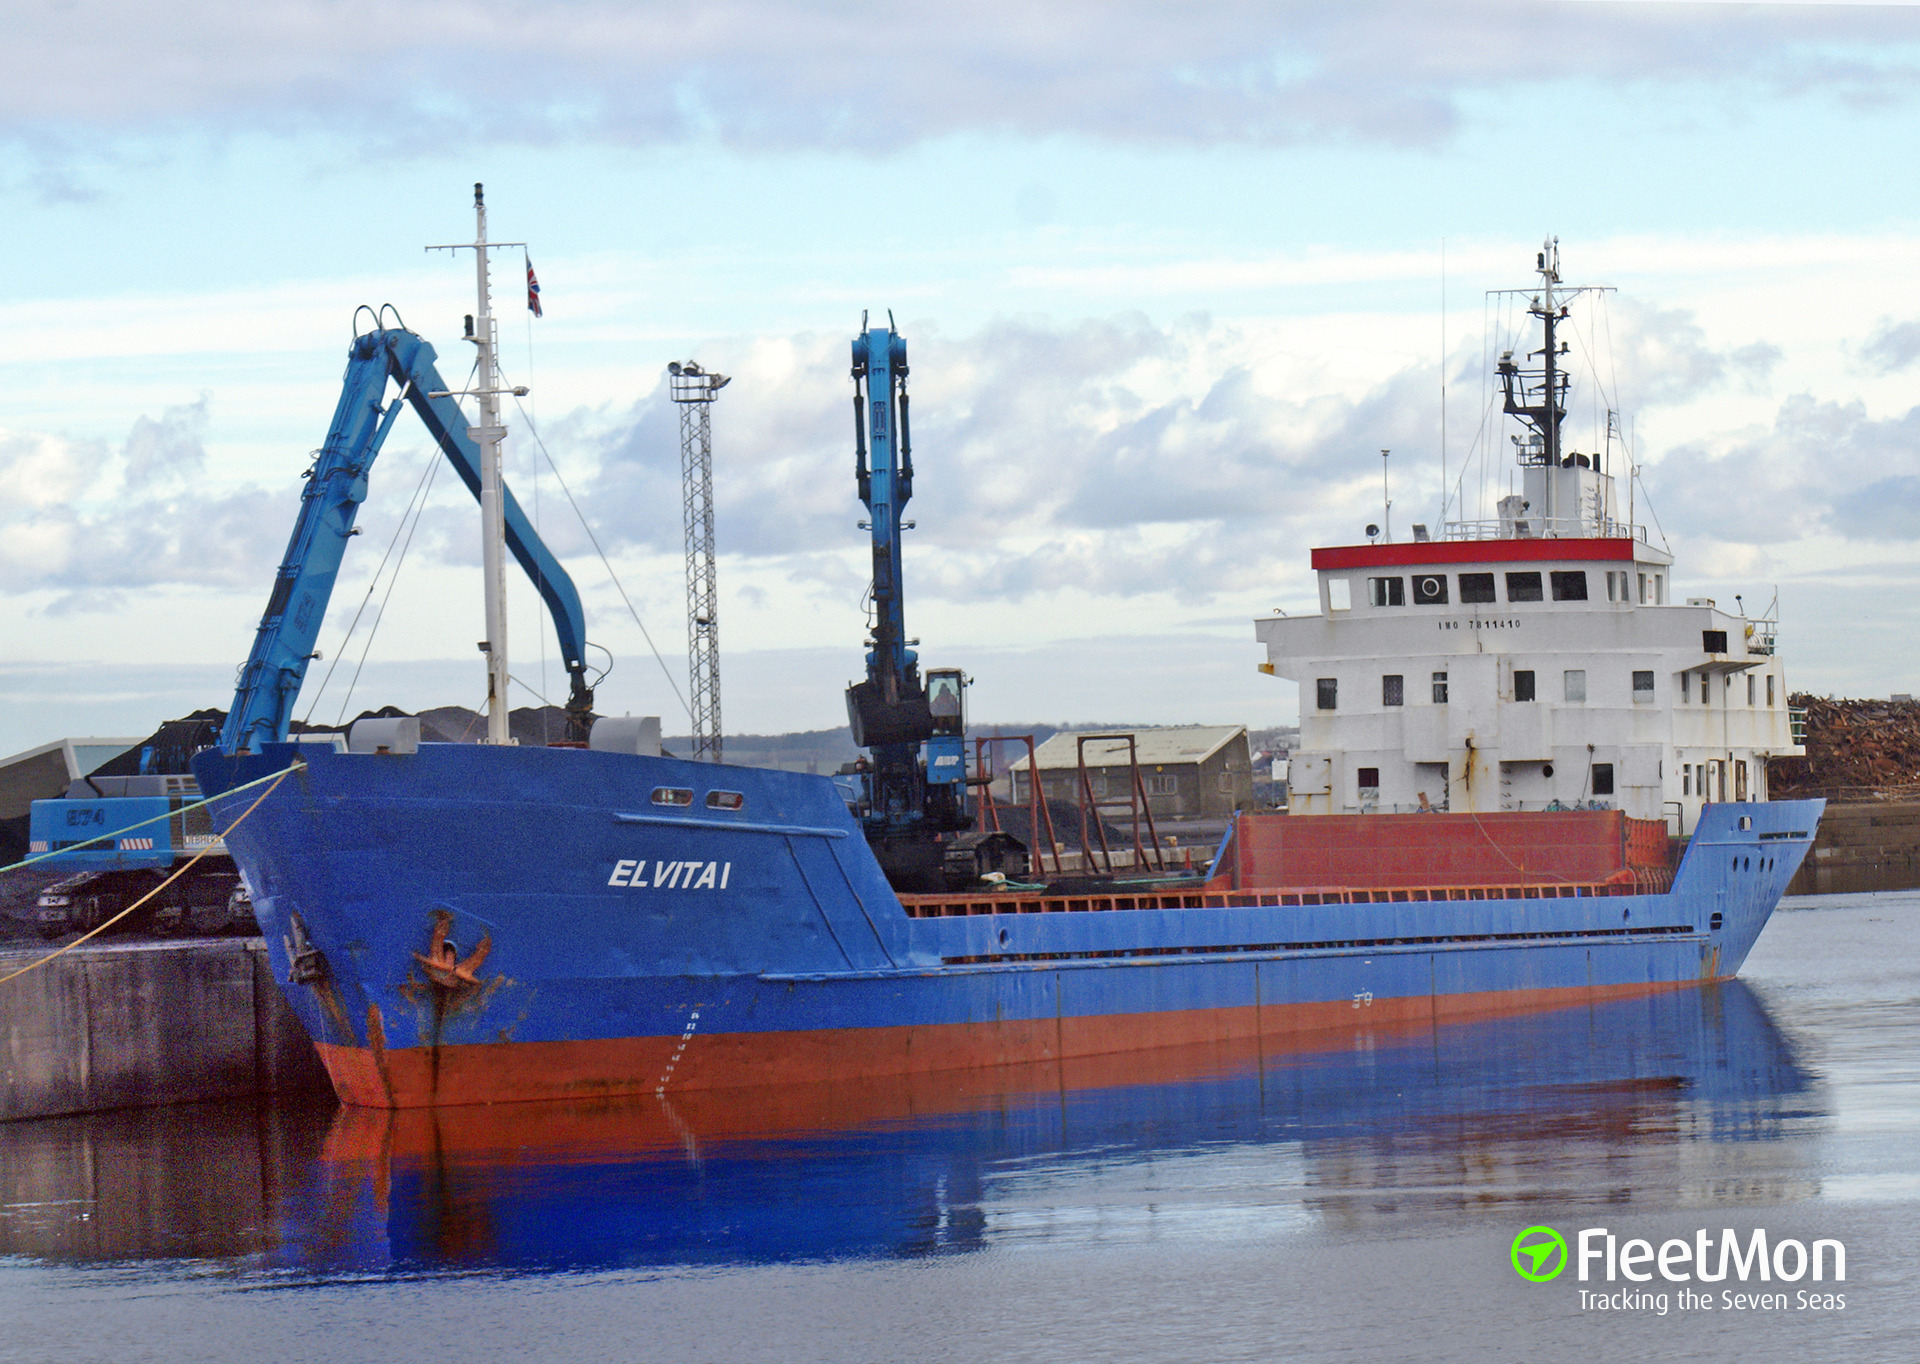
x=1539 y=528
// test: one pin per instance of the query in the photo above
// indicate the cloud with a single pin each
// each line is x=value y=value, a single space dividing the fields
x=762 y=74
x=1822 y=467
x=1111 y=456
x=1643 y=356
x=91 y=523
x=1117 y=458
x=167 y=450
x=1892 y=347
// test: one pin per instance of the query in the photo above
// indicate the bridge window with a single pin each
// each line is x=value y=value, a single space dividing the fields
x=1713 y=641
x=1430 y=589
x=1570 y=585
x=1477 y=587
x=1386 y=591
x=1523 y=587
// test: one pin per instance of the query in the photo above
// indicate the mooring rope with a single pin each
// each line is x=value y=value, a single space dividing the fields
x=276 y=778
x=101 y=838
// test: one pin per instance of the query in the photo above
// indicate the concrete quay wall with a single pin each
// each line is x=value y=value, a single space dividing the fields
x=1863 y=847
x=128 y=1025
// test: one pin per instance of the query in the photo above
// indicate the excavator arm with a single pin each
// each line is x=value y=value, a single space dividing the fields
x=271 y=678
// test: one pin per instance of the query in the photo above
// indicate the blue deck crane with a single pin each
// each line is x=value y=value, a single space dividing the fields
x=915 y=805
x=271 y=678
x=108 y=873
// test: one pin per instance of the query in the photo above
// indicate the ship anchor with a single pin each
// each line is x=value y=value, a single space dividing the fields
x=442 y=962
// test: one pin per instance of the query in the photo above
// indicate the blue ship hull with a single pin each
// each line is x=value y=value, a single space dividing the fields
x=478 y=924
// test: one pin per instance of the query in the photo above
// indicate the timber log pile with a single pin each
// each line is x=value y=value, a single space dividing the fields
x=1856 y=750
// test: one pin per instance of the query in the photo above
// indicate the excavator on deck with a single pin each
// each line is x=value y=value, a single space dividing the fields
x=912 y=794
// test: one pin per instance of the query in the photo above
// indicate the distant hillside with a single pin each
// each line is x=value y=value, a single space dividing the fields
x=828 y=750
x=811 y=750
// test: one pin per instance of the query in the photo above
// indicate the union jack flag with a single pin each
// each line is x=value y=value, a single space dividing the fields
x=533 y=290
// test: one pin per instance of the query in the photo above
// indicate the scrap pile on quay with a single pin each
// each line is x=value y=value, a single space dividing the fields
x=1856 y=751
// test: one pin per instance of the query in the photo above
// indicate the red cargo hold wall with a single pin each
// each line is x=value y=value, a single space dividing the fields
x=1383 y=851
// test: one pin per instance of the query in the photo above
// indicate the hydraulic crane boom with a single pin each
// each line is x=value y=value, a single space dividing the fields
x=917 y=784
x=890 y=706
x=271 y=678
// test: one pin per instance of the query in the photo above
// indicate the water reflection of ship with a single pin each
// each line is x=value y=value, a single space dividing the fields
x=1625 y=1099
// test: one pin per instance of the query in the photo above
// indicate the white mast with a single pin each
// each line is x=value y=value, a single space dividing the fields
x=493 y=520
x=488 y=434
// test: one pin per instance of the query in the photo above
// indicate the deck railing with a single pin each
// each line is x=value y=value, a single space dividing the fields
x=1542 y=528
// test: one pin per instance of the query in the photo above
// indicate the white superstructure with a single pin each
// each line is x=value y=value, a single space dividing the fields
x=1535 y=662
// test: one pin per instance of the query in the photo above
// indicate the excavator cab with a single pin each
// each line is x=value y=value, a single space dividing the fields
x=946 y=693
x=947 y=805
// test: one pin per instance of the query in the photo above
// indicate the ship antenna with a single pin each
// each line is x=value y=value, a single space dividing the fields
x=1386 y=497
x=1444 y=487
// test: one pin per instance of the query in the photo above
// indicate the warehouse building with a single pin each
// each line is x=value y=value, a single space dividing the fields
x=1193 y=772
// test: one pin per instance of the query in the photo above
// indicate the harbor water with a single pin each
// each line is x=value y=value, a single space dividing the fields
x=1352 y=1195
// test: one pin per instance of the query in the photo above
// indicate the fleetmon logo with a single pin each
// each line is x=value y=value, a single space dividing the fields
x=1539 y=1254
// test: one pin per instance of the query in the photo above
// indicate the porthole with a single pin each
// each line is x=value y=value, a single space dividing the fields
x=725 y=800
x=672 y=795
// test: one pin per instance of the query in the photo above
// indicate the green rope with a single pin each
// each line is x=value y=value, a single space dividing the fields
x=62 y=852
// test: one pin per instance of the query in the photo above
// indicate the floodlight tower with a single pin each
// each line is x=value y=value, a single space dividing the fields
x=695 y=389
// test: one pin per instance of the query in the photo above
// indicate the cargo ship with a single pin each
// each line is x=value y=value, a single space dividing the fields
x=487 y=923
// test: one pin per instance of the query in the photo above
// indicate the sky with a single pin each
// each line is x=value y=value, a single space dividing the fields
x=1169 y=286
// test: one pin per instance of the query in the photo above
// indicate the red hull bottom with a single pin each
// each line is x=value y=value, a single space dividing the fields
x=513 y=1072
